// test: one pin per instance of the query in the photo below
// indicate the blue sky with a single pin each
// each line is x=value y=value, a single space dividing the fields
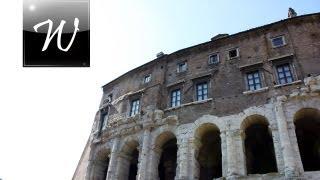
x=154 y=26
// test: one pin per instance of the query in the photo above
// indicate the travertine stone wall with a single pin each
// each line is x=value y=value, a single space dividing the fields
x=279 y=113
x=230 y=107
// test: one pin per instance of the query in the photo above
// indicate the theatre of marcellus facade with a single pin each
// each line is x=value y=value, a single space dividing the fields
x=241 y=106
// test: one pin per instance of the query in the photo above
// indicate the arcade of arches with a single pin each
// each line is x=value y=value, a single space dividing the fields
x=259 y=154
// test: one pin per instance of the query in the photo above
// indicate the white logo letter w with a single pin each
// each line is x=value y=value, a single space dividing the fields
x=59 y=28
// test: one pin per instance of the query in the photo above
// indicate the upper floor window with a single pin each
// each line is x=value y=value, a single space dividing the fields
x=108 y=99
x=147 y=78
x=135 y=106
x=284 y=73
x=214 y=58
x=104 y=119
x=202 y=91
x=233 y=53
x=278 y=41
x=181 y=67
x=175 y=98
x=253 y=80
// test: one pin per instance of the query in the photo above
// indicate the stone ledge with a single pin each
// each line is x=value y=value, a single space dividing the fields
x=287 y=84
x=188 y=104
x=255 y=91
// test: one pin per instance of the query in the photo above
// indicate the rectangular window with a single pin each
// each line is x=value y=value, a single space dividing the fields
x=233 y=53
x=108 y=99
x=135 y=104
x=284 y=74
x=278 y=41
x=253 y=80
x=181 y=67
x=147 y=78
x=175 y=98
x=202 y=91
x=214 y=59
x=104 y=119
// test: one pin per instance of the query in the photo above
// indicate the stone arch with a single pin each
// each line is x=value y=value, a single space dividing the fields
x=128 y=159
x=99 y=163
x=209 y=151
x=253 y=119
x=164 y=155
x=258 y=145
x=307 y=129
x=163 y=138
x=219 y=123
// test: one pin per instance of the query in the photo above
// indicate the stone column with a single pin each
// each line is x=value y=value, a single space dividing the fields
x=113 y=160
x=154 y=159
x=224 y=157
x=294 y=142
x=235 y=154
x=90 y=170
x=143 y=155
x=286 y=146
x=182 y=160
x=193 y=168
x=277 y=148
x=123 y=167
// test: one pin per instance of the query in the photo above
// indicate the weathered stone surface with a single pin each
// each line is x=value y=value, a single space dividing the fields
x=230 y=107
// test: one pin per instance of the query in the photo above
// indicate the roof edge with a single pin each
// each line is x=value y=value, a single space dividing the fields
x=207 y=42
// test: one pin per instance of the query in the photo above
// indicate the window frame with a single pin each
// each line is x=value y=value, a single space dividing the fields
x=237 y=51
x=147 y=77
x=218 y=58
x=175 y=102
x=180 y=70
x=104 y=116
x=134 y=107
x=291 y=70
x=260 y=78
x=204 y=96
x=276 y=37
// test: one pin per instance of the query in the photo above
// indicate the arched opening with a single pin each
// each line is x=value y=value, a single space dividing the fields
x=307 y=123
x=209 y=158
x=129 y=161
x=100 y=166
x=167 y=142
x=259 y=149
x=133 y=165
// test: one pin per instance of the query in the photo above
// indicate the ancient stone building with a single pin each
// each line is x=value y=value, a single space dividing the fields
x=241 y=106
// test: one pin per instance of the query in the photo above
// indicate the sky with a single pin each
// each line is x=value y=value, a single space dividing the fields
x=46 y=114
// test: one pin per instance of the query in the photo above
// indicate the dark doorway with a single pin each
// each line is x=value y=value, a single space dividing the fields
x=134 y=165
x=260 y=156
x=210 y=155
x=105 y=168
x=168 y=161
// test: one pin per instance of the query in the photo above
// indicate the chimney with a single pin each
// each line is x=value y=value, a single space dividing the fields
x=291 y=13
x=160 y=54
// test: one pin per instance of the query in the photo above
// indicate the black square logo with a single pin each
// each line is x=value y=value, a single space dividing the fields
x=56 y=33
